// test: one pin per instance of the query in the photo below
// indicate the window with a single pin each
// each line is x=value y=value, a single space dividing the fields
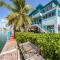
x=50 y=6
x=53 y=12
x=49 y=15
x=44 y=17
x=50 y=28
x=59 y=28
x=39 y=20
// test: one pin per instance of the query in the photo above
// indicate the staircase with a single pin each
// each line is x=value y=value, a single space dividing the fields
x=41 y=28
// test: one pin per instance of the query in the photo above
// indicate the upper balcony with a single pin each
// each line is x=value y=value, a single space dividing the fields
x=50 y=6
x=49 y=13
x=53 y=12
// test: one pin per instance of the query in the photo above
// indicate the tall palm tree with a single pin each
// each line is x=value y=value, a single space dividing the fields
x=18 y=18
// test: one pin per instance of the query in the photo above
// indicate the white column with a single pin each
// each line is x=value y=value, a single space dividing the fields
x=56 y=23
x=56 y=28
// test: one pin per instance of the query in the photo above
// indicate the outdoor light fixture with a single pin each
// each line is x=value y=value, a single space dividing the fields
x=40 y=14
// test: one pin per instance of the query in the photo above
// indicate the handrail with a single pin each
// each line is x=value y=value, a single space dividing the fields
x=40 y=26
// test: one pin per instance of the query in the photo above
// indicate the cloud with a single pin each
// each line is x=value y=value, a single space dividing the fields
x=3 y=23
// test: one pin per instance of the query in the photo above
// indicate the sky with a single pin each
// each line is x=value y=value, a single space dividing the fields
x=5 y=12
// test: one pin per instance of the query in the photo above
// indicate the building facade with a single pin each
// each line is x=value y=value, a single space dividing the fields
x=47 y=17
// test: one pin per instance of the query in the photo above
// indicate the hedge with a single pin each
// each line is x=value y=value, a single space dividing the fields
x=49 y=44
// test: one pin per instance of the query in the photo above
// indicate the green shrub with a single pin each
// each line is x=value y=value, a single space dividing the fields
x=49 y=44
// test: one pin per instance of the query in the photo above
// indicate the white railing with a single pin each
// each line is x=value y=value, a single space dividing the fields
x=40 y=27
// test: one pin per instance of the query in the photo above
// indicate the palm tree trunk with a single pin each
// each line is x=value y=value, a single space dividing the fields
x=14 y=31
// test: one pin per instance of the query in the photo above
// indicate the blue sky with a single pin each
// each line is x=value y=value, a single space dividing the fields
x=4 y=11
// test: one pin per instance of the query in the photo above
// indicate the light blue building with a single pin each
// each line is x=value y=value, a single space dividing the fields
x=47 y=18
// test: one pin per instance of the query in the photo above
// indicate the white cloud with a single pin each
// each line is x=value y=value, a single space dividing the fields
x=3 y=23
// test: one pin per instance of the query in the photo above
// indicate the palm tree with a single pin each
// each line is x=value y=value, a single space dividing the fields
x=18 y=18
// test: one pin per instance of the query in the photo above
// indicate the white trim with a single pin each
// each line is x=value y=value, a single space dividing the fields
x=38 y=25
x=41 y=14
x=7 y=52
x=49 y=10
x=19 y=57
x=48 y=18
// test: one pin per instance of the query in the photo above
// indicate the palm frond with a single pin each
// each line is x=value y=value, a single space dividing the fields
x=26 y=9
x=27 y=20
x=12 y=16
x=12 y=8
x=19 y=21
x=16 y=4
x=22 y=3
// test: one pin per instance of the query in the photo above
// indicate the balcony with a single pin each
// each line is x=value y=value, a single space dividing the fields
x=50 y=21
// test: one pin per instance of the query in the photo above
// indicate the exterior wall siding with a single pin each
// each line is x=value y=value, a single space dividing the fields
x=50 y=21
x=58 y=20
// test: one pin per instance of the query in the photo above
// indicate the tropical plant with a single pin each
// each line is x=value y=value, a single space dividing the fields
x=18 y=18
x=49 y=44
